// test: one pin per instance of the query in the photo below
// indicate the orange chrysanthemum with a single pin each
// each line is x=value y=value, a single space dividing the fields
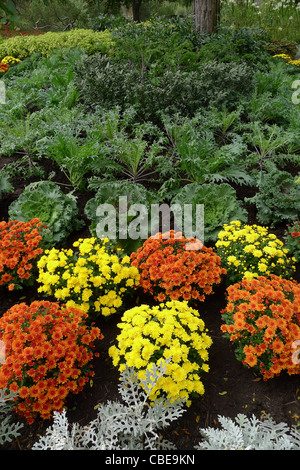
x=176 y=268
x=20 y=242
x=262 y=319
x=43 y=371
x=3 y=67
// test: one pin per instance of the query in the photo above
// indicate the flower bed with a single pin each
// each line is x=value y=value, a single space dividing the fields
x=58 y=127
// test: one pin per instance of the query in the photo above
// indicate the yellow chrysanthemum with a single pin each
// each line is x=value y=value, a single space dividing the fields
x=85 y=277
x=165 y=330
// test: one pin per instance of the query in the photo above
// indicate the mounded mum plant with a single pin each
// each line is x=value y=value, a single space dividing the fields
x=262 y=320
x=48 y=350
x=151 y=335
x=20 y=249
x=172 y=267
x=251 y=251
x=93 y=278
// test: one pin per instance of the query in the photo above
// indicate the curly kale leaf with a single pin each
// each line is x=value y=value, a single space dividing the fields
x=46 y=201
x=220 y=205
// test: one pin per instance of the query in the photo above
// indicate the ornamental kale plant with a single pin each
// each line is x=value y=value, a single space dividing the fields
x=110 y=192
x=55 y=210
x=278 y=198
x=198 y=156
x=220 y=205
x=131 y=425
x=5 y=185
x=75 y=156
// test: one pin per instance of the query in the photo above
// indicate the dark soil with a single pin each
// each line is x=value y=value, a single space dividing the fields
x=230 y=388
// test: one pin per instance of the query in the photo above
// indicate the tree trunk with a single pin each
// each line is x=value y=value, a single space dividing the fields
x=136 y=10
x=206 y=15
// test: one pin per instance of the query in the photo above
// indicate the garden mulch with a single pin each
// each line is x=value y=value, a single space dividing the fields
x=230 y=388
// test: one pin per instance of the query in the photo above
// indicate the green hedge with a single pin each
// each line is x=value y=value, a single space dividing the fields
x=22 y=47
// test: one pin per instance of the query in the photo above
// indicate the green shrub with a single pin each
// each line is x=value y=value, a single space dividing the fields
x=106 y=21
x=54 y=15
x=101 y=81
x=245 y=44
x=159 y=45
x=282 y=46
x=22 y=47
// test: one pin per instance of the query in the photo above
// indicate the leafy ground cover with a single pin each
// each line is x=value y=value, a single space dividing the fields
x=207 y=120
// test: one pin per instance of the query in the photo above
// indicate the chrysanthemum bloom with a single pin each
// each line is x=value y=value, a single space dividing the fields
x=20 y=249
x=250 y=251
x=170 y=330
x=3 y=67
x=94 y=278
x=40 y=367
x=262 y=319
x=170 y=270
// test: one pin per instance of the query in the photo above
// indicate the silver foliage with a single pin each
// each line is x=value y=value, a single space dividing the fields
x=8 y=430
x=131 y=425
x=249 y=434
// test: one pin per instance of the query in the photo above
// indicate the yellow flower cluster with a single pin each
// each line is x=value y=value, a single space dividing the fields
x=250 y=251
x=288 y=59
x=10 y=60
x=93 y=278
x=150 y=335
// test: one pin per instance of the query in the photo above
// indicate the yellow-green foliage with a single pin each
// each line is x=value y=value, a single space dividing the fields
x=22 y=47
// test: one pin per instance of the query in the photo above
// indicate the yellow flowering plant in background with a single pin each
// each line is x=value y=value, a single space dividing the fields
x=9 y=60
x=151 y=335
x=288 y=60
x=251 y=251
x=93 y=278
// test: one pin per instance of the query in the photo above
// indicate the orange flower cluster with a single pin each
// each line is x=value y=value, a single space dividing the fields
x=3 y=67
x=262 y=318
x=47 y=355
x=20 y=246
x=6 y=31
x=175 y=268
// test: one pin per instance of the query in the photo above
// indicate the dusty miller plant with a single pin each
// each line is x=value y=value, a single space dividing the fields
x=8 y=429
x=249 y=434
x=131 y=425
